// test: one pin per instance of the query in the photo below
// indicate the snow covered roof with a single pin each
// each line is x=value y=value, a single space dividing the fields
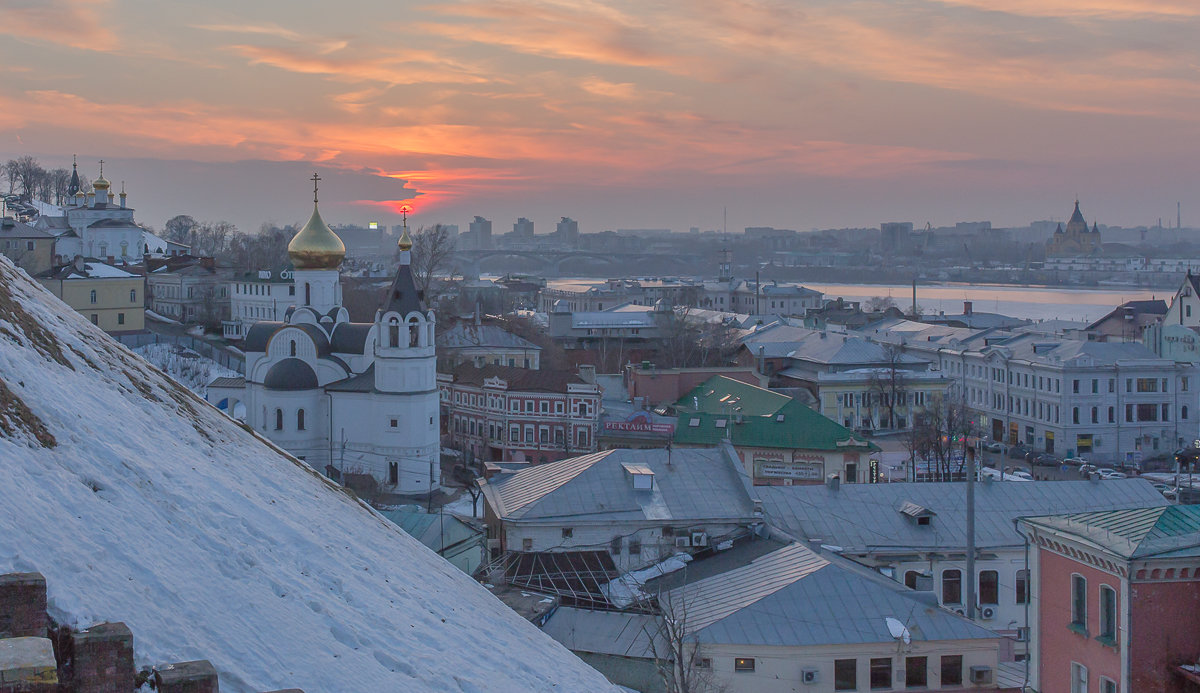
x=211 y=543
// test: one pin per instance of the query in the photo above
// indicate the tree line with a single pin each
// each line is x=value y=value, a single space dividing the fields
x=29 y=180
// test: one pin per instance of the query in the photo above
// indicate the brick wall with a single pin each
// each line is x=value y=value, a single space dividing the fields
x=187 y=677
x=102 y=659
x=23 y=605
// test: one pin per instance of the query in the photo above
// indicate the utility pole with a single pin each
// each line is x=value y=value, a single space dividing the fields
x=970 y=577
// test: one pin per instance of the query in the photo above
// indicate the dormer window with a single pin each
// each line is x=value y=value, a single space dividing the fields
x=918 y=515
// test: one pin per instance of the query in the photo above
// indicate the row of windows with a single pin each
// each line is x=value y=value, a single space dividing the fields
x=95 y=317
x=279 y=420
x=530 y=406
x=258 y=289
x=16 y=245
x=495 y=432
x=988 y=591
x=916 y=672
x=850 y=400
x=92 y=296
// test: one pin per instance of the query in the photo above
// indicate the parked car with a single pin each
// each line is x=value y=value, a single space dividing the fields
x=1114 y=475
x=994 y=446
x=1161 y=488
x=1045 y=459
x=1130 y=466
x=1086 y=469
x=1074 y=461
x=1022 y=475
x=1102 y=471
x=1018 y=452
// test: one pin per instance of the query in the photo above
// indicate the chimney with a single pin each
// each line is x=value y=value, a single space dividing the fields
x=588 y=373
x=762 y=359
x=834 y=482
x=967 y=306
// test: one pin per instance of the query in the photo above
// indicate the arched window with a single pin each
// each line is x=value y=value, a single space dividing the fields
x=278 y=419
x=414 y=333
x=293 y=347
x=394 y=332
x=299 y=419
x=93 y=296
x=1183 y=413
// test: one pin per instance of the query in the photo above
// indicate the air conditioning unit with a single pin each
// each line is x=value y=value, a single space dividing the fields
x=682 y=542
x=987 y=613
x=699 y=538
x=810 y=676
x=980 y=674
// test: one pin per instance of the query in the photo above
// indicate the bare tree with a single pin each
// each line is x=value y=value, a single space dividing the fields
x=888 y=385
x=29 y=174
x=431 y=251
x=688 y=342
x=179 y=229
x=676 y=649
x=941 y=433
x=878 y=304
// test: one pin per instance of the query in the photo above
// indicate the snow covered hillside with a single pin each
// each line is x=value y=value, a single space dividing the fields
x=142 y=504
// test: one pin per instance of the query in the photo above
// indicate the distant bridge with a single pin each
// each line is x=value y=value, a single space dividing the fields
x=556 y=261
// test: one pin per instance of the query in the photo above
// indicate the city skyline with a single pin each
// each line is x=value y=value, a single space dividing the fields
x=816 y=115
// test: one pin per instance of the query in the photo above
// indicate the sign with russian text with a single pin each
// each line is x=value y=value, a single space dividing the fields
x=639 y=422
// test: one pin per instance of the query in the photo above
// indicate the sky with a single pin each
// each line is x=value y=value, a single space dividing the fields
x=624 y=114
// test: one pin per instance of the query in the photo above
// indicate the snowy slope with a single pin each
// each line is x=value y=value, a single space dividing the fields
x=142 y=504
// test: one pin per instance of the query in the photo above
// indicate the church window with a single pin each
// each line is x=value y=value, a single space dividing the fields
x=393 y=473
x=394 y=332
x=299 y=419
x=307 y=293
x=293 y=347
x=92 y=296
x=278 y=419
x=414 y=333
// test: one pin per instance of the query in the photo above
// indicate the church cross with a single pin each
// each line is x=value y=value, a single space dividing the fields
x=102 y=168
x=315 y=178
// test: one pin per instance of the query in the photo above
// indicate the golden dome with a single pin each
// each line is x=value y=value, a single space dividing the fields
x=405 y=241
x=101 y=183
x=316 y=246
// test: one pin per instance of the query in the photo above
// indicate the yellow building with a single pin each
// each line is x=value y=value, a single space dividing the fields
x=111 y=298
x=29 y=248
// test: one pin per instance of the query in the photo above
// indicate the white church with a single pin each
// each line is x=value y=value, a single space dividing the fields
x=98 y=223
x=344 y=397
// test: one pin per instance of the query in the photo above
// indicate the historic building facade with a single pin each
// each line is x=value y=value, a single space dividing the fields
x=1076 y=239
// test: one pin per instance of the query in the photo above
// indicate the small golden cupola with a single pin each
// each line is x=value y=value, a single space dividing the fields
x=316 y=246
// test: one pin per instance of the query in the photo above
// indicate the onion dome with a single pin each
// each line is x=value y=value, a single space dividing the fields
x=405 y=242
x=316 y=246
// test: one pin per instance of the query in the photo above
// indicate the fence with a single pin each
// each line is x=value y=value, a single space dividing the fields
x=221 y=355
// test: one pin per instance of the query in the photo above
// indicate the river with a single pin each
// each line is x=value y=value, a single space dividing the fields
x=1029 y=302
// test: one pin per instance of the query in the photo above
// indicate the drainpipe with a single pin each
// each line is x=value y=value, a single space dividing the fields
x=971 y=533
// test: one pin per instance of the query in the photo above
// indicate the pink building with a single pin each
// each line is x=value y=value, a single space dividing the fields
x=1116 y=600
x=509 y=414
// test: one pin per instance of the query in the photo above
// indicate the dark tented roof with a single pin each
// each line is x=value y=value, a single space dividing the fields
x=363 y=382
x=403 y=297
x=290 y=374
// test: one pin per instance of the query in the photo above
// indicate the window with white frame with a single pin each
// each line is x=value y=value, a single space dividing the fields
x=1079 y=678
x=1108 y=615
x=1078 y=601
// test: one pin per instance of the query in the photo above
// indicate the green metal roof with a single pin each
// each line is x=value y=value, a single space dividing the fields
x=1138 y=533
x=792 y=426
x=724 y=395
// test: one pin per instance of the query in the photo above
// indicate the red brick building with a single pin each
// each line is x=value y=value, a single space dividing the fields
x=508 y=414
x=1116 y=600
x=654 y=386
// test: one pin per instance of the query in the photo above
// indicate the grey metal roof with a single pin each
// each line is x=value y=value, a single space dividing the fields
x=290 y=374
x=699 y=484
x=238 y=382
x=790 y=597
x=464 y=336
x=864 y=518
x=604 y=632
x=1173 y=530
x=350 y=337
x=826 y=604
x=363 y=382
x=259 y=334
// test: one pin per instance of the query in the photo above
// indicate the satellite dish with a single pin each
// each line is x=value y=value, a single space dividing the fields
x=898 y=630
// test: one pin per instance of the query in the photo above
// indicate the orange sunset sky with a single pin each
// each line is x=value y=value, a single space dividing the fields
x=796 y=114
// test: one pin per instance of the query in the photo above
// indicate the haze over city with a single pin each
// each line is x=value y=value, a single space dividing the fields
x=796 y=115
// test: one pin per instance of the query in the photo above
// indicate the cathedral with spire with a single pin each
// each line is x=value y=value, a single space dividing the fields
x=1076 y=239
x=345 y=397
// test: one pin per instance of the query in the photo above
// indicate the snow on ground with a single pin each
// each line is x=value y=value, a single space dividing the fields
x=140 y=503
x=185 y=366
